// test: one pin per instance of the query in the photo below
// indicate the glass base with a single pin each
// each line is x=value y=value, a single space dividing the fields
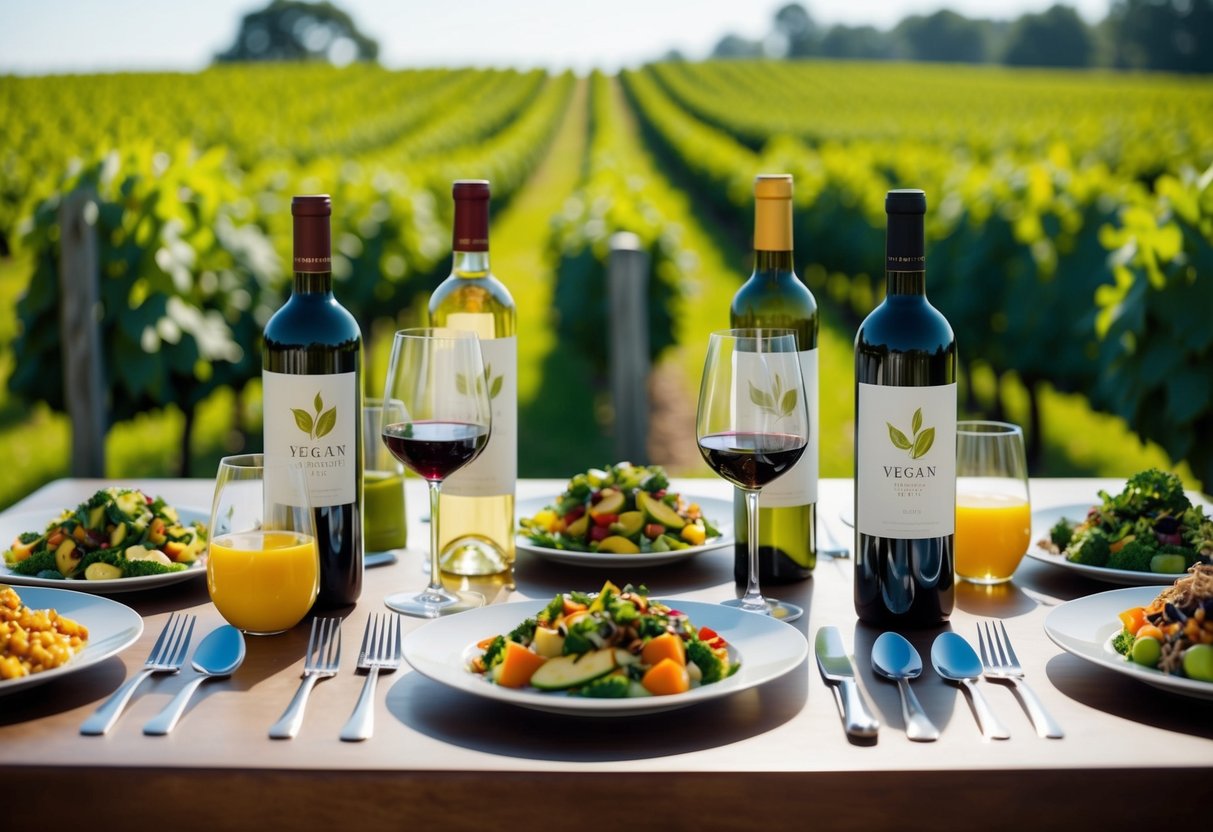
x=431 y=604
x=472 y=557
x=984 y=580
x=773 y=608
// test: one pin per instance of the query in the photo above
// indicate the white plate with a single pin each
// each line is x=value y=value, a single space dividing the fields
x=36 y=521
x=720 y=512
x=1046 y=518
x=112 y=627
x=440 y=650
x=1085 y=627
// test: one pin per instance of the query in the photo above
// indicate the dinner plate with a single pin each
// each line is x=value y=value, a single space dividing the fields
x=441 y=649
x=1046 y=518
x=112 y=627
x=36 y=521
x=720 y=512
x=1086 y=626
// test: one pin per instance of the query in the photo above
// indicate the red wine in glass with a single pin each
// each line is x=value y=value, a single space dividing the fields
x=751 y=460
x=435 y=449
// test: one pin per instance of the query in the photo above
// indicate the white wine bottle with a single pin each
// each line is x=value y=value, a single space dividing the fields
x=905 y=439
x=476 y=532
x=774 y=297
x=312 y=392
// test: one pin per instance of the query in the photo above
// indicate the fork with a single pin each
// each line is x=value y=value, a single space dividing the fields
x=380 y=650
x=167 y=656
x=1000 y=662
x=323 y=659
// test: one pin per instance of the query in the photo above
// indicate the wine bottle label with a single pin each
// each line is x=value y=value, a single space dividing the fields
x=495 y=471
x=905 y=464
x=313 y=419
x=798 y=486
x=767 y=407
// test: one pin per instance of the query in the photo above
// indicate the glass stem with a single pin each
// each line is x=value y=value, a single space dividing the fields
x=753 y=597
x=435 y=574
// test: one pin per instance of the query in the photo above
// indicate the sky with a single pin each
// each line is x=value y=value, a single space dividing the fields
x=54 y=36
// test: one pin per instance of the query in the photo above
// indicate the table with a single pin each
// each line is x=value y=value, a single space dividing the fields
x=775 y=756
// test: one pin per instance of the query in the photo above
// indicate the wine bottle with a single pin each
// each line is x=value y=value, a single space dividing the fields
x=476 y=532
x=905 y=439
x=312 y=392
x=774 y=297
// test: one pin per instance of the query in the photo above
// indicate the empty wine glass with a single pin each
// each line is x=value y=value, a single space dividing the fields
x=752 y=427
x=436 y=376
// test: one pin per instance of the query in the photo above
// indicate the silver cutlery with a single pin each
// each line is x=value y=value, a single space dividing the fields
x=323 y=659
x=218 y=655
x=895 y=658
x=955 y=660
x=1000 y=662
x=167 y=656
x=835 y=666
x=380 y=650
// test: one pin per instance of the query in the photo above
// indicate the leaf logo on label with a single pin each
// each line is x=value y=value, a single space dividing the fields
x=320 y=425
x=919 y=441
x=777 y=402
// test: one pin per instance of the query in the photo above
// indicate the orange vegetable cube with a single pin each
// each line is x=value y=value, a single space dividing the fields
x=1133 y=618
x=666 y=677
x=664 y=646
x=518 y=666
x=1149 y=631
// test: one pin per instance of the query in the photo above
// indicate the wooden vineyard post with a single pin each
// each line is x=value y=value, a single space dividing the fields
x=80 y=324
x=628 y=293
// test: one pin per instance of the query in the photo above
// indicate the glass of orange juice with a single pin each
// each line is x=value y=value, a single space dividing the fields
x=993 y=509
x=263 y=568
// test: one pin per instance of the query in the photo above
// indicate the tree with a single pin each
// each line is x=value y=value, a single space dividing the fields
x=798 y=31
x=1171 y=35
x=945 y=36
x=293 y=30
x=735 y=46
x=1057 y=37
x=856 y=42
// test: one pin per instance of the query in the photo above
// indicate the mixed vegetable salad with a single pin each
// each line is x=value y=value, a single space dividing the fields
x=1151 y=526
x=625 y=509
x=116 y=533
x=1174 y=633
x=611 y=645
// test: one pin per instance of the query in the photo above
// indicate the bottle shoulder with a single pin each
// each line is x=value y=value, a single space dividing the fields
x=906 y=324
x=475 y=295
x=776 y=300
x=308 y=319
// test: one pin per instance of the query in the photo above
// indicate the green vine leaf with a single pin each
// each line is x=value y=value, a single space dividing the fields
x=923 y=443
x=319 y=403
x=916 y=422
x=761 y=398
x=788 y=404
x=461 y=384
x=326 y=422
x=898 y=438
x=496 y=387
x=303 y=420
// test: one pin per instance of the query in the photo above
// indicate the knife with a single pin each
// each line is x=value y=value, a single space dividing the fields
x=836 y=667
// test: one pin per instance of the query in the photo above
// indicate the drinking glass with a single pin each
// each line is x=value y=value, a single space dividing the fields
x=437 y=376
x=263 y=567
x=385 y=522
x=993 y=509
x=752 y=426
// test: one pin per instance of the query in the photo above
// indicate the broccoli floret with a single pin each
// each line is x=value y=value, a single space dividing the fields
x=140 y=568
x=656 y=481
x=1148 y=491
x=710 y=664
x=1134 y=556
x=1123 y=642
x=1062 y=533
x=650 y=626
x=100 y=498
x=494 y=653
x=614 y=686
x=623 y=612
x=524 y=633
x=552 y=611
x=1091 y=549
x=577 y=640
x=29 y=537
x=35 y=563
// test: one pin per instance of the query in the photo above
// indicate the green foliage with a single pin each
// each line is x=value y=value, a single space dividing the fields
x=1090 y=549
x=293 y=30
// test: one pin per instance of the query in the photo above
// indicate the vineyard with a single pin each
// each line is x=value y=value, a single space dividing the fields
x=1070 y=238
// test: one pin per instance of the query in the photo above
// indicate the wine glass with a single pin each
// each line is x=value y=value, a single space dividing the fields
x=263 y=567
x=752 y=427
x=993 y=509
x=437 y=377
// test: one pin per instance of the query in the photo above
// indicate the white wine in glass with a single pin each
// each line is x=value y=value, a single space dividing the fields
x=752 y=426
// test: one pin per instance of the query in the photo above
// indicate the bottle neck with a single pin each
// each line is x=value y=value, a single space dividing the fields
x=772 y=262
x=313 y=283
x=313 y=254
x=470 y=264
x=906 y=283
x=905 y=256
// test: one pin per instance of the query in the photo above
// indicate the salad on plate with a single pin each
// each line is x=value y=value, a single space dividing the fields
x=1174 y=632
x=625 y=509
x=1150 y=526
x=613 y=644
x=116 y=533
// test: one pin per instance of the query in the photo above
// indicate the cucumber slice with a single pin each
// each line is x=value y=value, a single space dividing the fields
x=565 y=672
x=658 y=511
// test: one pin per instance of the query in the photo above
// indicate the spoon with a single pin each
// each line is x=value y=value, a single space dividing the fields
x=219 y=654
x=895 y=658
x=955 y=660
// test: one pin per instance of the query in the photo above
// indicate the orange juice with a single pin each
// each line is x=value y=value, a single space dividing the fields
x=992 y=536
x=263 y=581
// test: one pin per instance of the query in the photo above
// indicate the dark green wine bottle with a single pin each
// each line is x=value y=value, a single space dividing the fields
x=774 y=297
x=905 y=439
x=312 y=393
